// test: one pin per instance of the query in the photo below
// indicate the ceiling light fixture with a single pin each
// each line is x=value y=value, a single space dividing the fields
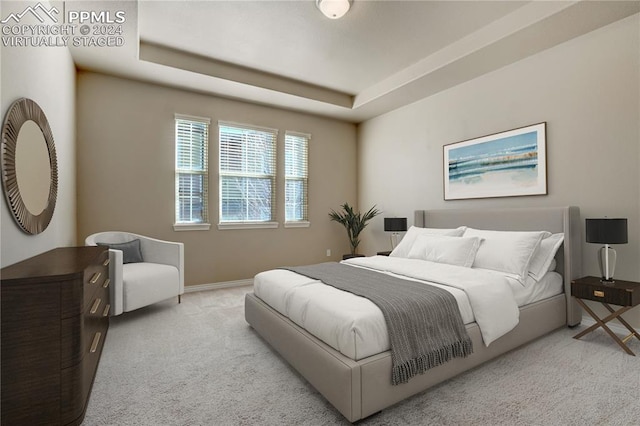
x=333 y=9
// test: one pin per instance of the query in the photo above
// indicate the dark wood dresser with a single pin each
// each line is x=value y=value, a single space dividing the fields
x=55 y=316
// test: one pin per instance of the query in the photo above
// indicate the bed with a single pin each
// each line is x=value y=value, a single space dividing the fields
x=360 y=386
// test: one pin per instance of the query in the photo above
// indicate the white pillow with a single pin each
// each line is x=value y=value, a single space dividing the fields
x=506 y=251
x=403 y=248
x=459 y=251
x=543 y=257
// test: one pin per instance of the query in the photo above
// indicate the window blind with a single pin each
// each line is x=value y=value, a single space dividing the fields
x=296 y=147
x=192 y=169
x=247 y=173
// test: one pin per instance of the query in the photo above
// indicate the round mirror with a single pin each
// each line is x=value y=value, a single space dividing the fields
x=29 y=166
x=33 y=170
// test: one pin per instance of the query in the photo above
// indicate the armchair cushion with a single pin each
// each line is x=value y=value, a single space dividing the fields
x=146 y=283
x=131 y=252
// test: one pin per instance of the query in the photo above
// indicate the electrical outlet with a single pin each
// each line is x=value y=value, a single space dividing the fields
x=328 y=252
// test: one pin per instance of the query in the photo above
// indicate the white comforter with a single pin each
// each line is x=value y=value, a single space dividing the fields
x=355 y=326
x=494 y=306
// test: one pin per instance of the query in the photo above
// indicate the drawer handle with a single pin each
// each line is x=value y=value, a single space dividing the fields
x=598 y=293
x=105 y=263
x=95 y=306
x=106 y=283
x=106 y=311
x=95 y=277
x=96 y=341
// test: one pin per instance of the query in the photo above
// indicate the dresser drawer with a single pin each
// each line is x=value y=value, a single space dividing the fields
x=77 y=380
x=79 y=371
x=77 y=295
x=600 y=294
x=99 y=302
x=72 y=394
x=620 y=293
x=96 y=277
x=71 y=339
x=96 y=333
x=77 y=331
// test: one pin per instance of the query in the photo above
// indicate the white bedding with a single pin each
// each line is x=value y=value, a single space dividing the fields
x=355 y=326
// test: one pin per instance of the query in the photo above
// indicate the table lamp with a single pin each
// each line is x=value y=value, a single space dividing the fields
x=607 y=231
x=395 y=225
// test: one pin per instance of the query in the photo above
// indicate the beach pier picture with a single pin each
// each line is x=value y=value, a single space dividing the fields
x=506 y=164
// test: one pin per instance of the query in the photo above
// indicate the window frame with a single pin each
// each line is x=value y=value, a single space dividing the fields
x=248 y=224
x=191 y=225
x=304 y=222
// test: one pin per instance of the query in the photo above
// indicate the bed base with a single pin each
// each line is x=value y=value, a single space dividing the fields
x=358 y=389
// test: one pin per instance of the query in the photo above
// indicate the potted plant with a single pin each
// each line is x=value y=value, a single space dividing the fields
x=354 y=222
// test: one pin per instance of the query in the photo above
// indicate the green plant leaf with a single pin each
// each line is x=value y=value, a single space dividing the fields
x=354 y=222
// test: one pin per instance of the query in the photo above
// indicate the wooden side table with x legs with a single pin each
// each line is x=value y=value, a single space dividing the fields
x=625 y=294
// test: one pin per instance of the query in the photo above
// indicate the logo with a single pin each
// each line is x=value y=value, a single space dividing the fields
x=73 y=28
x=33 y=11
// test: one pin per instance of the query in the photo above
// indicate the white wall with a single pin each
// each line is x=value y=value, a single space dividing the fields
x=46 y=75
x=587 y=90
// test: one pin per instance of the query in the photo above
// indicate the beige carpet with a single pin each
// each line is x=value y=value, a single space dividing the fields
x=199 y=363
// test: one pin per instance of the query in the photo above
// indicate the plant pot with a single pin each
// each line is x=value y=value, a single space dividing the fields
x=349 y=256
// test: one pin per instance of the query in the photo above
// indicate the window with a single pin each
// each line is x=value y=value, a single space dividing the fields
x=247 y=175
x=296 y=147
x=192 y=172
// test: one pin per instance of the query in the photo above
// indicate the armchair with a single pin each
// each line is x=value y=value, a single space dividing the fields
x=159 y=276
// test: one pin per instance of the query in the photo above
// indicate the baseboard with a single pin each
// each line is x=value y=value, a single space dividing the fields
x=217 y=286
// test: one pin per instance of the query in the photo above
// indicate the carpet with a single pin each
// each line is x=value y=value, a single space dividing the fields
x=199 y=363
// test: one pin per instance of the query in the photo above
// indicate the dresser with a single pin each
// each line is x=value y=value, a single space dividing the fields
x=55 y=316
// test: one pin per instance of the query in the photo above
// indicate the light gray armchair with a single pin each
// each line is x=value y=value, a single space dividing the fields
x=141 y=277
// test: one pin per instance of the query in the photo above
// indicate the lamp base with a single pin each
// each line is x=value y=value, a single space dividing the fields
x=394 y=240
x=607 y=262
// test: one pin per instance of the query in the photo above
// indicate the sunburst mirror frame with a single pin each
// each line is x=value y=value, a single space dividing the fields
x=21 y=111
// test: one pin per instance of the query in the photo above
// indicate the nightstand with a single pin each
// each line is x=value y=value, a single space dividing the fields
x=625 y=294
x=384 y=253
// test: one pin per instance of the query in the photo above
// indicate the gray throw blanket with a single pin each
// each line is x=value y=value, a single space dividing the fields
x=423 y=321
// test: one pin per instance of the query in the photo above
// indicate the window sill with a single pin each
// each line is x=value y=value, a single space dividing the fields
x=247 y=225
x=298 y=224
x=191 y=226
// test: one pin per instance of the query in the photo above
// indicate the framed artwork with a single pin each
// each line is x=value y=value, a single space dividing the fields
x=506 y=164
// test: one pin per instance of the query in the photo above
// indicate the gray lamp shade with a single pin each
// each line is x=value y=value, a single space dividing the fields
x=395 y=224
x=607 y=231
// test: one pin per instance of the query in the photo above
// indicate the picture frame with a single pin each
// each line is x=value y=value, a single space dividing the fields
x=507 y=164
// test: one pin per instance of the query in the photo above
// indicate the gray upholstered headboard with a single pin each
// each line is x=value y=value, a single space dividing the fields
x=552 y=219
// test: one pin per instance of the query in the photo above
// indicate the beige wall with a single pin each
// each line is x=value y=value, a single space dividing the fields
x=126 y=176
x=46 y=75
x=587 y=90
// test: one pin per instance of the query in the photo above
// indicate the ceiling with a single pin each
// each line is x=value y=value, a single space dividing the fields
x=380 y=56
